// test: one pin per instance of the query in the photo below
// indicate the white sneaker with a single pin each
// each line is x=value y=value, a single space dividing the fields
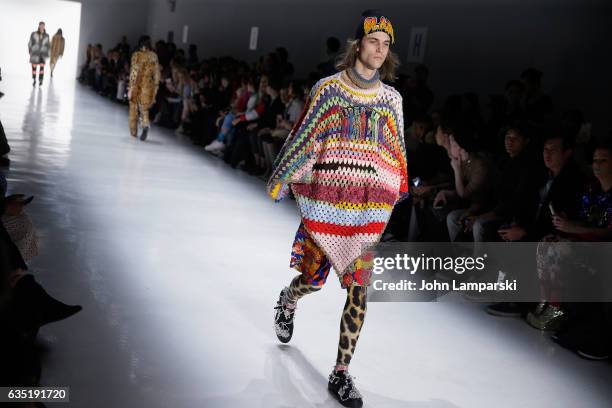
x=214 y=146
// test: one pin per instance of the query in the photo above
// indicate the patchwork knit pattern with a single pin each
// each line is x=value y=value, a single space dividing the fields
x=345 y=161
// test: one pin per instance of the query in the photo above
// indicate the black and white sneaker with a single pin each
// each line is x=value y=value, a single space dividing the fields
x=283 y=318
x=342 y=387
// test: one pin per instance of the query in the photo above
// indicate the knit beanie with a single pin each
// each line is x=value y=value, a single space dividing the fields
x=371 y=21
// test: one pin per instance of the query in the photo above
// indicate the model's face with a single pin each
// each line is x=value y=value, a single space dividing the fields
x=514 y=143
x=602 y=164
x=41 y=27
x=373 y=49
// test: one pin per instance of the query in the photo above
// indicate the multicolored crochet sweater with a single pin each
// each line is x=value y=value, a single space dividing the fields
x=345 y=161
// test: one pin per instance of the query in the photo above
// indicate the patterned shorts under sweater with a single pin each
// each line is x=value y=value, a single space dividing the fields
x=314 y=265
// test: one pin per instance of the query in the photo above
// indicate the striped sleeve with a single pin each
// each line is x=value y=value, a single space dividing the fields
x=298 y=155
x=404 y=185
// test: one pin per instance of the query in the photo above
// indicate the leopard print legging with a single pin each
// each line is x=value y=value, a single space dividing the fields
x=353 y=315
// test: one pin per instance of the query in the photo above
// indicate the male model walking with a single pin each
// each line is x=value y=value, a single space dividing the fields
x=345 y=162
x=144 y=82
x=57 y=49
x=38 y=47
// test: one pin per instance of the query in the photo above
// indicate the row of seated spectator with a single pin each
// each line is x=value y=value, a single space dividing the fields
x=539 y=189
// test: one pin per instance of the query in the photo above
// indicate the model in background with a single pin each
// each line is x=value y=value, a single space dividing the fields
x=144 y=81
x=57 y=49
x=39 y=47
x=345 y=162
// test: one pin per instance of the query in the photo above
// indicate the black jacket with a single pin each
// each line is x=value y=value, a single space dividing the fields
x=516 y=187
x=564 y=194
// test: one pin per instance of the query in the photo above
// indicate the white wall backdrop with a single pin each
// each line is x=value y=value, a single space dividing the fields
x=19 y=18
x=472 y=45
x=105 y=21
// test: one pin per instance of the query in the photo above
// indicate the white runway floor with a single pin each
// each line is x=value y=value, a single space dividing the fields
x=178 y=260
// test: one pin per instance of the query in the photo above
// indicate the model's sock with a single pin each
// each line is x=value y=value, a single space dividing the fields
x=341 y=367
x=351 y=323
x=298 y=289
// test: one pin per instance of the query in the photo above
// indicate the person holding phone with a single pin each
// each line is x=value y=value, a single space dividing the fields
x=591 y=222
x=558 y=194
x=559 y=190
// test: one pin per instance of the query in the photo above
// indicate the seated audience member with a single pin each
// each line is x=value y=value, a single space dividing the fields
x=557 y=263
x=432 y=167
x=294 y=105
x=472 y=181
x=265 y=125
x=425 y=160
x=559 y=191
x=515 y=187
x=245 y=100
x=503 y=109
x=536 y=105
x=25 y=304
x=240 y=148
x=587 y=325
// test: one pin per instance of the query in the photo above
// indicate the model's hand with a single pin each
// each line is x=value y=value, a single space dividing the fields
x=129 y=94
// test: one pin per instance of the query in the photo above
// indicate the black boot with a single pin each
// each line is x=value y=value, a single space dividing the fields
x=283 y=318
x=145 y=131
x=36 y=307
x=342 y=387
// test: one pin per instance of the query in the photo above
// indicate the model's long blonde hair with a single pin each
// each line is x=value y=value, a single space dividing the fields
x=350 y=54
